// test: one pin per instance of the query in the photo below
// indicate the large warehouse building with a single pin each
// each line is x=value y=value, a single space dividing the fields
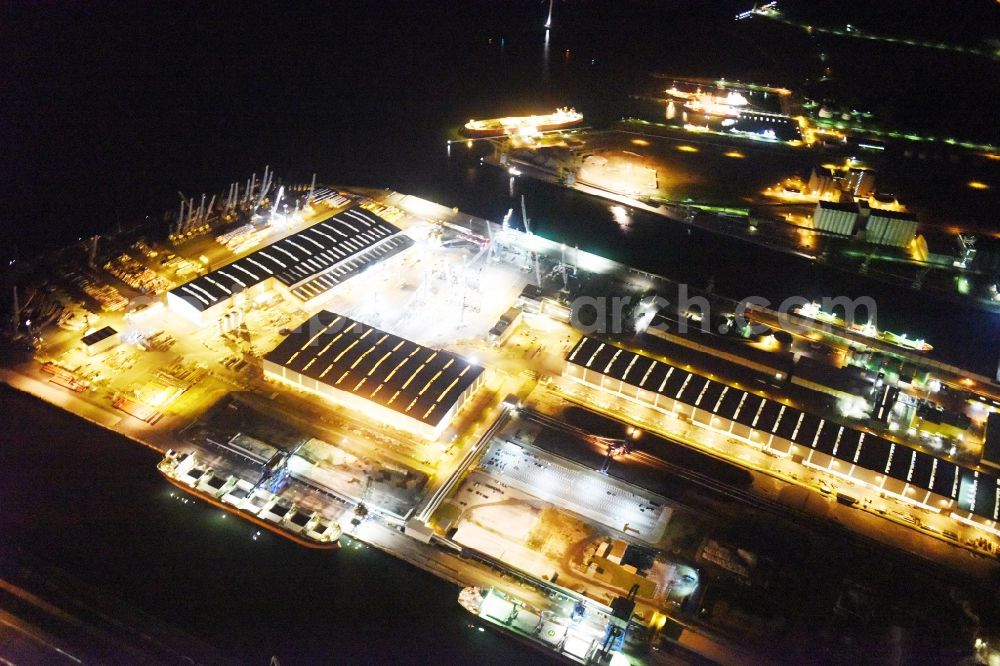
x=914 y=476
x=306 y=265
x=836 y=218
x=399 y=382
x=886 y=227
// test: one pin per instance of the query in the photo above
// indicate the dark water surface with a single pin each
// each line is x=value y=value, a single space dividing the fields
x=91 y=503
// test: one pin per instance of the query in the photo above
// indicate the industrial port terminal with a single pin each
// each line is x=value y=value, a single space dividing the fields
x=535 y=423
x=606 y=333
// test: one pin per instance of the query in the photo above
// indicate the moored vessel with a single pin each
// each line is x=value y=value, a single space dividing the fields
x=813 y=311
x=255 y=504
x=562 y=118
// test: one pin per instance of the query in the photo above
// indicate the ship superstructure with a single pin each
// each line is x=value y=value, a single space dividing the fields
x=562 y=118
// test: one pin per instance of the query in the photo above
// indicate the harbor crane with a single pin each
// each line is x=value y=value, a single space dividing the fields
x=274 y=473
x=966 y=250
x=527 y=231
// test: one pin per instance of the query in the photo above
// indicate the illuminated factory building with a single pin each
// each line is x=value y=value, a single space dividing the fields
x=881 y=227
x=887 y=227
x=837 y=218
x=396 y=381
x=910 y=475
x=304 y=265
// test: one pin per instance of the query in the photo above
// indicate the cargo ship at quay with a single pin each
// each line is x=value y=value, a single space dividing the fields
x=568 y=633
x=562 y=118
x=251 y=502
x=813 y=311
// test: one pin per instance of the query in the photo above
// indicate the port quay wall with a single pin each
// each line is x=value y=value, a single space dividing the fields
x=94 y=414
x=804 y=324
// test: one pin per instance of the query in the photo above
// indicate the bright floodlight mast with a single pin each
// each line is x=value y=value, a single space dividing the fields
x=277 y=200
x=548 y=21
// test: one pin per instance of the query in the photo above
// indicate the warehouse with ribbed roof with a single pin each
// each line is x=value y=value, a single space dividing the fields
x=307 y=264
x=397 y=381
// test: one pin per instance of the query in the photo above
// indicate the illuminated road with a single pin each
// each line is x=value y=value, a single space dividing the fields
x=855 y=33
x=447 y=484
x=22 y=643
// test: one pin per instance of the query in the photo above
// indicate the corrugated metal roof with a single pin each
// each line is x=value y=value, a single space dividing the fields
x=293 y=260
x=411 y=379
x=974 y=491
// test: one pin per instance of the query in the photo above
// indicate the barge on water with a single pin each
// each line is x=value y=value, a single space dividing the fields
x=253 y=503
